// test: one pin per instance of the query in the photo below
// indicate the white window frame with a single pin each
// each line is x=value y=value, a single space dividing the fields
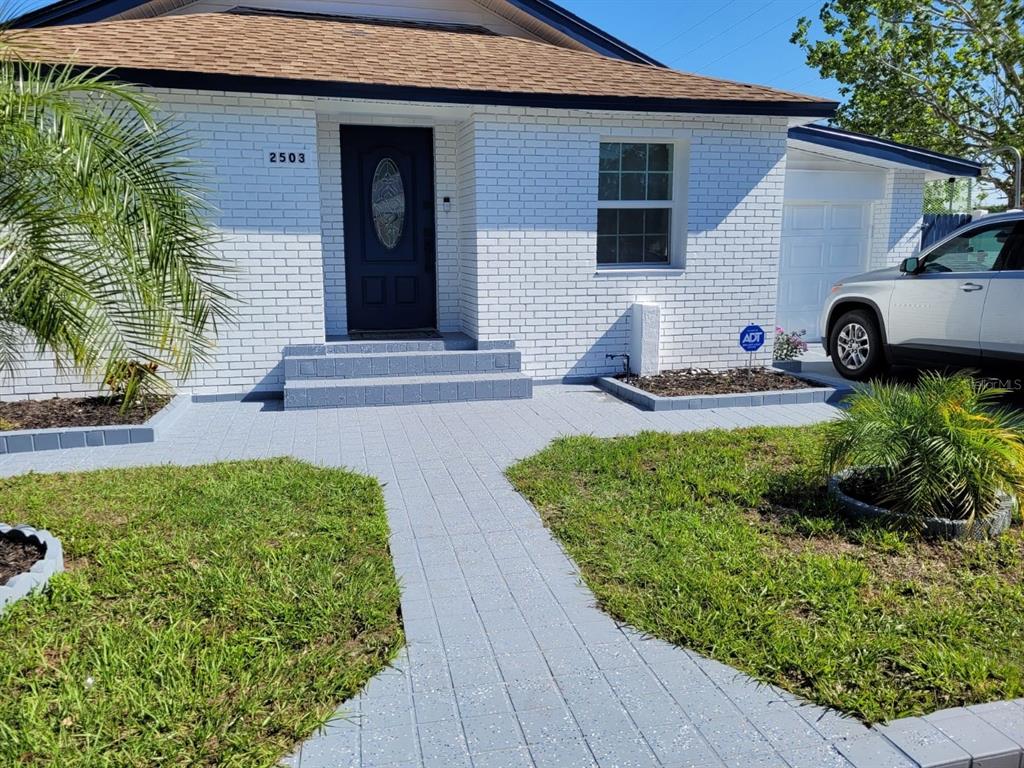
x=677 y=204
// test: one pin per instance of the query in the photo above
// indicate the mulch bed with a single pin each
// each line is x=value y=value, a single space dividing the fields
x=17 y=557
x=75 y=412
x=701 y=381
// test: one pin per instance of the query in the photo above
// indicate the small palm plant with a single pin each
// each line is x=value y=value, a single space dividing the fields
x=106 y=257
x=939 y=449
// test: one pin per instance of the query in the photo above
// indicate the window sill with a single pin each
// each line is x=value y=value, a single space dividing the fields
x=666 y=271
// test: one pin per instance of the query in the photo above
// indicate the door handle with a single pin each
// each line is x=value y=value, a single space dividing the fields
x=968 y=287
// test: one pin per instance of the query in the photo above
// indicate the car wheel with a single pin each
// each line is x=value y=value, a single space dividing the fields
x=855 y=345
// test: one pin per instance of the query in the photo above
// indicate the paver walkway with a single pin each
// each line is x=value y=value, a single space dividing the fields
x=508 y=662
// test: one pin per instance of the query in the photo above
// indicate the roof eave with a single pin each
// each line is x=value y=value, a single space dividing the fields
x=206 y=81
x=886 y=151
x=545 y=11
x=583 y=31
x=73 y=12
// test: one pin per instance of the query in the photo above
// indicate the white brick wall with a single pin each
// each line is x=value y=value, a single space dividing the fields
x=332 y=226
x=466 y=201
x=535 y=218
x=516 y=252
x=268 y=222
x=896 y=219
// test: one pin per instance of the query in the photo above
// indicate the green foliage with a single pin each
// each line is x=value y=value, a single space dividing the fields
x=722 y=542
x=946 y=197
x=939 y=448
x=946 y=74
x=789 y=345
x=209 y=616
x=127 y=379
x=105 y=252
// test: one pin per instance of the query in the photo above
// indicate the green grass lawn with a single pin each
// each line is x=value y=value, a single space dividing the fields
x=723 y=542
x=210 y=616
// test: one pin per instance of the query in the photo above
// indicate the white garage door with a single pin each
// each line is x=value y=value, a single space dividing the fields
x=821 y=243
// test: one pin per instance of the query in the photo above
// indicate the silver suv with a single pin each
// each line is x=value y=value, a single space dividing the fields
x=958 y=303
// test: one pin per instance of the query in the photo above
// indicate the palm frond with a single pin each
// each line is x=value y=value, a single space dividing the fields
x=942 y=447
x=106 y=253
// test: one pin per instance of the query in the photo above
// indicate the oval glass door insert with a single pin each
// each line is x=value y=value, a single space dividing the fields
x=387 y=203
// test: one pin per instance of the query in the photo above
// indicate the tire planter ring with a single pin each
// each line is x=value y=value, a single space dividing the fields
x=991 y=525
x=34 y=579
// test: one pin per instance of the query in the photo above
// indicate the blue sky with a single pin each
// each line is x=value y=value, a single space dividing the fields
x=745 y=40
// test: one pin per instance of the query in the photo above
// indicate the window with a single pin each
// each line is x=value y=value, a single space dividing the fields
x=387 y=203
x=977 y=250
x=635 y=204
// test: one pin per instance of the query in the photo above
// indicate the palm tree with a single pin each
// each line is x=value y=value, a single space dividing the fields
x=106 y=258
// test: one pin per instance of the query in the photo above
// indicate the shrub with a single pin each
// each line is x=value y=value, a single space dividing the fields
x=941 y=448
x=130 y=379
x=107 y=249
x=789 y=345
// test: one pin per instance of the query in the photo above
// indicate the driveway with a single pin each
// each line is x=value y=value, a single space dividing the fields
x=508 y=663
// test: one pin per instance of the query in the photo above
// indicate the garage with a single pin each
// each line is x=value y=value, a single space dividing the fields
x=822 y=242
x=852 y=203
x=826 y=233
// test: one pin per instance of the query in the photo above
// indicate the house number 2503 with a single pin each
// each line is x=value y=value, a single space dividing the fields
x=288 y=158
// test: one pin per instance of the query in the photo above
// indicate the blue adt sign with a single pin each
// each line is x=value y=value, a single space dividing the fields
x=752 y=338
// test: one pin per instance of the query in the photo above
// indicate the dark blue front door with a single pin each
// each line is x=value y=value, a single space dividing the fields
x=388 y=200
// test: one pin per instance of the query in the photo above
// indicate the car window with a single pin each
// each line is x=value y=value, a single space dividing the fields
x=1013 y=255
x=976 y=250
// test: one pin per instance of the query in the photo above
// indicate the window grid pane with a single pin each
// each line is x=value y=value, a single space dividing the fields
x=635 y=171
x=633 y=236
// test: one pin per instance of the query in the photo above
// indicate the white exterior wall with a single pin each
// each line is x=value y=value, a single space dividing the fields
x=535 y=210
x=268 y=222
x=516 y=254
x=897 y=219
x=469 y=308
x=332 y=226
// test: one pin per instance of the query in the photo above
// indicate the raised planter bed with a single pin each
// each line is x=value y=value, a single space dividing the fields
x=992 y=524
x=39 y=572
x=27 y=440
x=810 y=391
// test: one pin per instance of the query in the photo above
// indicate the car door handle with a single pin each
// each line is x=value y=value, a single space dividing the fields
x=968 y=287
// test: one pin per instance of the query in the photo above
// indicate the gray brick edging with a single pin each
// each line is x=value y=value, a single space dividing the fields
x=990 y=735
x=650 y=402
x=34 y=579
x=29 y=440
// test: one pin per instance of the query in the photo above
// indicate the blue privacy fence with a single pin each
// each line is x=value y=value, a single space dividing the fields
x=938 y=225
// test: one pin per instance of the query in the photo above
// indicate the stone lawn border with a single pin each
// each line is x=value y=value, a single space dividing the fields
x=34 y=579
x=992 y=524
x=29 y=440
x=989 y=735
x=828 y=393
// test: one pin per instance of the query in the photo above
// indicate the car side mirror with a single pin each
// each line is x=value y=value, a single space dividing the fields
x=910 y=265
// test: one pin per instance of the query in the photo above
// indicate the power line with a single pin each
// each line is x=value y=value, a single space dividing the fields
x=798 y=87
x=691 y=27
x=789 y=71
x=772 y=28
x=722 y=32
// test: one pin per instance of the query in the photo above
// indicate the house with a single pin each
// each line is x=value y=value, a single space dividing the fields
x=545 y=196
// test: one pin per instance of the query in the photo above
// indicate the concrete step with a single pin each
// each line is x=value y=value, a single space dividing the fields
x=356 y=393
x=365 y=347
x=358 y=366
x=450 y=342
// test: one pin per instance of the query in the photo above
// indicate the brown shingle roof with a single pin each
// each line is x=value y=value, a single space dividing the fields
x=296 y=54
